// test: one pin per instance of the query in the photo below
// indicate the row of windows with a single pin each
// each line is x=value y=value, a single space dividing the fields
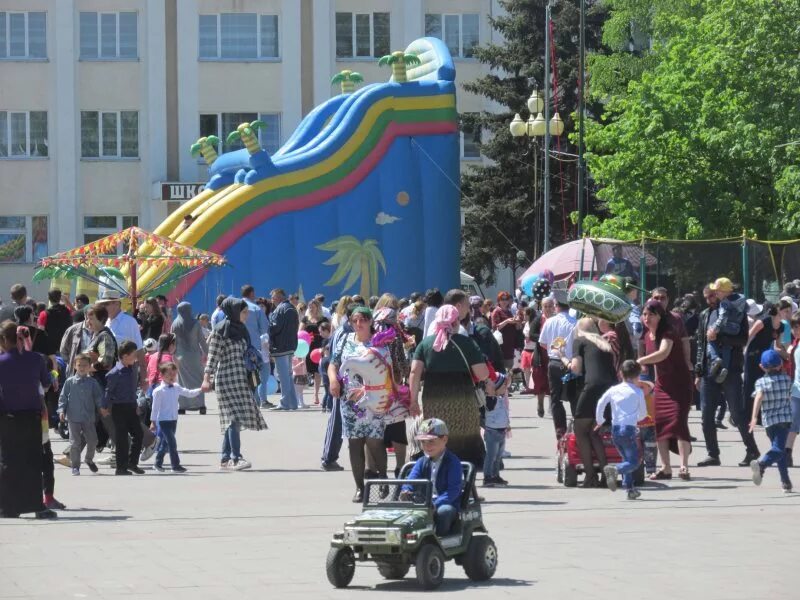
x=228 y=36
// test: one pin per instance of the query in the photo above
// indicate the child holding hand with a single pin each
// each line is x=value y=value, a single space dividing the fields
x=165 y=415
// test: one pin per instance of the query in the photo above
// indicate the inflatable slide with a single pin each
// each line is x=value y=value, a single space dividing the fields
x=362 y=198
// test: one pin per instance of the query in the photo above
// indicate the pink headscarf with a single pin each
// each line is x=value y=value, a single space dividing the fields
x=446 y=324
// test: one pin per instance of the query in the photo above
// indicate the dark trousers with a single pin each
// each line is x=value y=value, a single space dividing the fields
x=168 y=443
x=559 y=392
x=712 y=394
x=48 y=470
x=127 y=422
x=333 y=434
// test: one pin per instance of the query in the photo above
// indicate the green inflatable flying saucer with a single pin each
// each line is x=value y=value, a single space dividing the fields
x=604 y=299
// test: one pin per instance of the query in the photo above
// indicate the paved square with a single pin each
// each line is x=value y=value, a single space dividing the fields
x=264 y=533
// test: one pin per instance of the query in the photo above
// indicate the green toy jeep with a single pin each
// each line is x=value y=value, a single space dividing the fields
x=396 y=530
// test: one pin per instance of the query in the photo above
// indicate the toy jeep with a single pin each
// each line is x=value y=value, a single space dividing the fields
x=396 y=530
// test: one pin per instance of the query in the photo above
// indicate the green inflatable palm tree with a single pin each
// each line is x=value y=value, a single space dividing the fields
x=348 y=79
x=399 y=61
x=206 y=147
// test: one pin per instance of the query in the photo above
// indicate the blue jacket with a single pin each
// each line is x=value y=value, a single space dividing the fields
x=121 y=384
x=257 y=323
x=448 y=479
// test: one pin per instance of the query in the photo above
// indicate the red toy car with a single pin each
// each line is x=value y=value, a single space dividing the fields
x=568 y=460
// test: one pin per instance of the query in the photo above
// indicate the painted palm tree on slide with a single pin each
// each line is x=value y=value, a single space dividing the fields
x=399 y=61
x=354 y=260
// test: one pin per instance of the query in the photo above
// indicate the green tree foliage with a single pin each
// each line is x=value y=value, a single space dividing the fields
x=501 y=215
x=693 y=146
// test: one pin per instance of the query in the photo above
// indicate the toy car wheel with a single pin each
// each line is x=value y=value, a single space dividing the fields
x=340 y=567
x=559 y=471
x=480 y=561
x=638 y=475
x=430 y=566
x=391 y=571
x=570 y=474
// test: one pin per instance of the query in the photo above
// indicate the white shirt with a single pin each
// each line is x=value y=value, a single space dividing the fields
x=435 y=464
x=326 y=312
x=561 y=325
x=627 y=404
x=165 y=401
x=124 y=327
x=430 y=316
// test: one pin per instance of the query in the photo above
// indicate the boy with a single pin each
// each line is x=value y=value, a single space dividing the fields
x=443 y=468
x=497 y=424
x=772 y=397
x=627 y=409
x=120 y=395
x=165 y=414
x=325 y=334
x=730 y=314
x=80 y=398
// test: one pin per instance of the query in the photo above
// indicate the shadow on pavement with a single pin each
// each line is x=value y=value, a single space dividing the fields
x=409 y=585
x=522 y=502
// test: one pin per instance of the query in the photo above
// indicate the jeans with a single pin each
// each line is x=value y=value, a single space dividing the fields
x=711 y=395
x=231 y=443
x=717 y=351
x=795 y=415
x=168 y=443
x=625 y=441
x=560 y=391
x=649 y=448
x=283 y=366
x=777 y=454
x=495 y=440
x=333 y=434
x=126 y=422
x=261 y=390
x=444 y=518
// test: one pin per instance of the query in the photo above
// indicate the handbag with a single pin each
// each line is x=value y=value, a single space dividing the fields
x=480 y=395
x=253 y=363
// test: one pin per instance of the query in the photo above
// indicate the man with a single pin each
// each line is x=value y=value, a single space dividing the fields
x=75 y=341
x=19 y=294
x=712 y=394
x=634 y=320
x=218 y=316
x=257 y=325
x=57 y=319
x=283 y=325
x=294 y=300
x=619 y=265
x=561 y=327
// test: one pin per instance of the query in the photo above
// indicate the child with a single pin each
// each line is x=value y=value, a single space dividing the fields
x=325 y=360
x=300 y=377
x=119 y=401
x=165 y=415
x=80 y=398
x=497 y=425
x=166 y=350
x=772 y=398
x=627 y=409
x=730 y=314
x=433 y=436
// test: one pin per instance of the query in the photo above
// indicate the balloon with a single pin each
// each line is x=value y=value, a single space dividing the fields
x=541 y=289
x=316 y=355
x=548 y=275
x=272 y=384
x=302 y=349
x=527 y=284
x=305 y=336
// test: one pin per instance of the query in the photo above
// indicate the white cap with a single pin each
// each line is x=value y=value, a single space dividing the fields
x=753 y=308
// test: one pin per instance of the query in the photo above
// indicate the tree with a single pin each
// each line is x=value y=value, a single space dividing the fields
x=348 y=79
x=399 y=61
x=695 y=147
x=501 y=206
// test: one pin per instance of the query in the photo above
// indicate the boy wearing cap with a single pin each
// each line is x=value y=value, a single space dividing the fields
x=443 y=468
x=731 y=312
x=772 y=398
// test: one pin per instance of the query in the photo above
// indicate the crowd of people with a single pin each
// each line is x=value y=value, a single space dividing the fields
x=382 y=366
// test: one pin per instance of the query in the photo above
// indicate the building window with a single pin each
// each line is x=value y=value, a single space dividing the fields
x=362 y=35
x=23 y=35
x=109 y=134
x=459 y=32
x=239 y=36
x=470 y=141
x=97 y=227
x=221 y=124
x=23 y=134
x=23 y=239
x=109 y=36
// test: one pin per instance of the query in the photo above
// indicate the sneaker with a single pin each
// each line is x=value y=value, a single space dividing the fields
x=499 y=481
x=489 y=482
x=267 y=404
x=136 y=470
x=76 y=470
x=332 y=466
x=506 y=454
x=722 y=376
x=179 y=469
x=758 y=471
x=278 y=408
x=92 y=466
x=787 y=487
x=148 y=451
x=159 y=468
x=224 y=465
x=240 y=464
x=634 y=494
x=54 y=504
x=610 y=471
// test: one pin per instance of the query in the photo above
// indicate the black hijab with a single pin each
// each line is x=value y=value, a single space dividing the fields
x=231 y=326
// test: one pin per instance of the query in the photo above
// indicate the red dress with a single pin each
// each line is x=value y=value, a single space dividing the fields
x=673 y=391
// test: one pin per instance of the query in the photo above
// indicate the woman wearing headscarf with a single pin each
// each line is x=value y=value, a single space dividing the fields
x=450 y=362
x=190 y=348
x=22 y=373
x=226 y=364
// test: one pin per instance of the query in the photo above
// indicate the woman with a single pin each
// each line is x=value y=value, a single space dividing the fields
x=449 y=362
x=538 y=381
x=152 y=321
x=340 y=315
x=22 y=373
x=433 y=300
x=190 y=350
x=765 y=333
x=310 y=323
x=363 y=428
x=672 y=394
x=486 y=312
x=592 y=358
x=503 y=321
x=617 y=335
x=226 y=363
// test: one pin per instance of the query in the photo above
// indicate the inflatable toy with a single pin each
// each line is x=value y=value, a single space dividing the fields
x=302 y=349
x=316 y=356
x=604 y=299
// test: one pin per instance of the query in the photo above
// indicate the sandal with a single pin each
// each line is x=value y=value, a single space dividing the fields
x=684 y=474
x=660 y=474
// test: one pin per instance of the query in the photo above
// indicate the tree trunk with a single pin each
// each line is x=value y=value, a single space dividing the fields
x=399 y=71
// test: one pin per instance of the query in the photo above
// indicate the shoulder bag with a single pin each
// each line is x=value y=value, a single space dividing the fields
x=480 y=395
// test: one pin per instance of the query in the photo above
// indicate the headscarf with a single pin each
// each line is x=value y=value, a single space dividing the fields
x=184 y=322
x=445 y=324
x=231 y=327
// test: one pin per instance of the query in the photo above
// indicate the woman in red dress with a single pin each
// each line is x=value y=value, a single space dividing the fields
x=673 y=390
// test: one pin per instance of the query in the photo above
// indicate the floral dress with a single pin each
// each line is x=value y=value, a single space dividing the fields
x=356 y=423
